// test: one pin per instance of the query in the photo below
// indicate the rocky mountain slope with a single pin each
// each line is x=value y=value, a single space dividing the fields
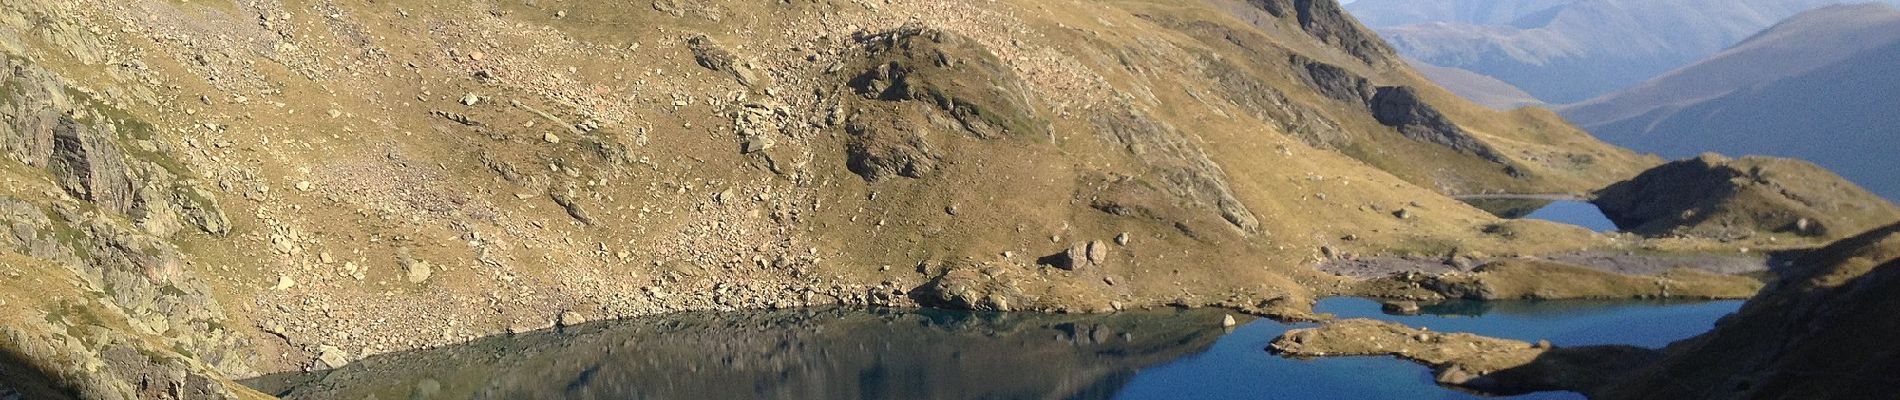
x=1595 y=46
x=1821 y=333
x=1717 y=197
x=1816 y=87
x=206 y=190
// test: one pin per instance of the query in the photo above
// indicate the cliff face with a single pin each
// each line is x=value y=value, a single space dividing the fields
x=92 y=202
x=230 y=188
x=1823 y=332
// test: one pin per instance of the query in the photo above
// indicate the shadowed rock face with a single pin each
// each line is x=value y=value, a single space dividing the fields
x=89 y=167
x=793 y=354
x=1334 y=81
x=1400 y=107
x=111 y=240
x=1326 y=20
x=41 y=131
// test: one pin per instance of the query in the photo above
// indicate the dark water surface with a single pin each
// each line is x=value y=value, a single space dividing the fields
x=932 y=354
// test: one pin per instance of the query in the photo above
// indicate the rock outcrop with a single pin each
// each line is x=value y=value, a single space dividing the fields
x=1401 y=108
x=1184 y=173
x=973 y=287
x=136 y=323
x=912 y=76
x=1327 y=21
x=1717 y=197
x=1485 y=364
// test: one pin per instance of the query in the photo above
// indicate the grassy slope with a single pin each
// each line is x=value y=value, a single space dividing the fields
x=339 y=102
x=1839 y=299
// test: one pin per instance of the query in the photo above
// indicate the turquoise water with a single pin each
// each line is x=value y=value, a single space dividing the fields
x=1237 y=368
x=913 y=354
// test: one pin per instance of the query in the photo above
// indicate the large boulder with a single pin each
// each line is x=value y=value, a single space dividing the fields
x=972 y=287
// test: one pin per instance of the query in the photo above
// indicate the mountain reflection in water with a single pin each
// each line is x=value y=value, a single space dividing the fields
x=791 y=354
x=851 y=353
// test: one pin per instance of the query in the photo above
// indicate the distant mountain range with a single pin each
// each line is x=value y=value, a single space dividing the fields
x=1565 y=51
x=1481 y=89
x=1821 y=86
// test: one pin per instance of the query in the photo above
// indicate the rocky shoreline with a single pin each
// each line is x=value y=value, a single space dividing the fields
x=1472 y=362
x=207 y=190
x=1619 y=262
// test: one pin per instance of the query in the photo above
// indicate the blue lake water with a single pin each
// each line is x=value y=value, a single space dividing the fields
x=1574 y=212
x=909 y=354
x=1577 y=213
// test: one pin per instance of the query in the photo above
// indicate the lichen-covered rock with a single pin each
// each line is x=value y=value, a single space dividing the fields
x=972 y=287
x=883 y=147
x=87 y=164
x=1185 y=172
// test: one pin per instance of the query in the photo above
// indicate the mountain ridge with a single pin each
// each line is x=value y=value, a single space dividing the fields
x=1598 y=45
x=1811 y=88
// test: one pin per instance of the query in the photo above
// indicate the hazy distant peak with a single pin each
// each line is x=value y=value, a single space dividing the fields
x=1834 y=17
x=1566 y=51
x=1816 y=86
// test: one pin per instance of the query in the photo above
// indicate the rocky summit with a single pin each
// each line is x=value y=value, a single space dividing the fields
x=201 y=191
